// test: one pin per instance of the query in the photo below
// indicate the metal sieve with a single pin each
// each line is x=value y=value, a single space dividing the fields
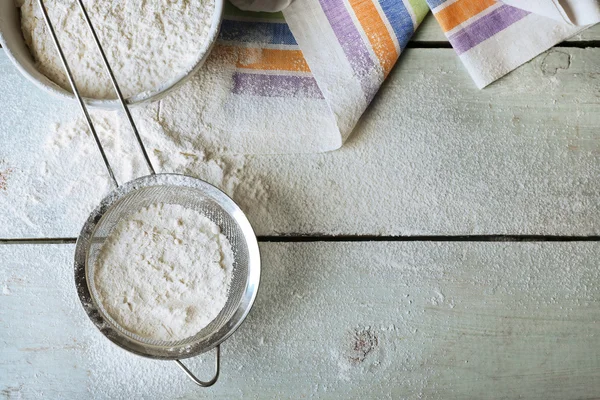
x=155 y=188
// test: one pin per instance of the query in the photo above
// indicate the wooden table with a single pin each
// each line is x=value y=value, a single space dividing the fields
x=448 y=250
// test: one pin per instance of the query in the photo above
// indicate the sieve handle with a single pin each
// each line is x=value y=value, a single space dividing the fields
x=198 y=381
x=76 y=91
x=79 y=97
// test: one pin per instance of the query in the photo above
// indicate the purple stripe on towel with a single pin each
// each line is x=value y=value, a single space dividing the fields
x=276 y=85
x=486 y=27
x=352 y=44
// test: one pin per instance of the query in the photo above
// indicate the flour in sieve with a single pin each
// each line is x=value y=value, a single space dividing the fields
x=148 y=44
x=164 y=272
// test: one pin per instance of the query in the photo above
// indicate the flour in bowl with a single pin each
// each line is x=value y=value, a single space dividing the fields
x=164 y=272
x=148 y=43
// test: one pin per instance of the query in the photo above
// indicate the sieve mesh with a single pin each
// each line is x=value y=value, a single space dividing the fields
x=193 y=194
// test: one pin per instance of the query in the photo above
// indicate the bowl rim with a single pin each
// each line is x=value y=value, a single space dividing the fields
x=140 y=98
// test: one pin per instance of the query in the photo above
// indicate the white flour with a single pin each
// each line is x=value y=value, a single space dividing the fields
x=164 y=273
x=70 y=147
x=147 y=43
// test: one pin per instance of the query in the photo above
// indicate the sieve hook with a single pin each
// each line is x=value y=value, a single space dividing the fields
x=80 y=99
x=198 y=381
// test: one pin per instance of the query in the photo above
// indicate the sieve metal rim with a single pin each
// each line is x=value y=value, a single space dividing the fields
x=89 y=304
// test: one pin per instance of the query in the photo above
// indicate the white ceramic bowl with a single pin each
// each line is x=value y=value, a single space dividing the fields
x=14 y=45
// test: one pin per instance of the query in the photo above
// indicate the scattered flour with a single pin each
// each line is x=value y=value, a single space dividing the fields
x=70 y=147
x=74 y=138
x=147 y=43
x=164 y=273
x=6 y=290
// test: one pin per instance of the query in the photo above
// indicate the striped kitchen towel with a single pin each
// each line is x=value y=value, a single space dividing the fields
x=268 y=88
x=298 y=81
x=492 y=38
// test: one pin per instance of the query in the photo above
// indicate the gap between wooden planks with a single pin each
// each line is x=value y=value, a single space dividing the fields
x=364 y=238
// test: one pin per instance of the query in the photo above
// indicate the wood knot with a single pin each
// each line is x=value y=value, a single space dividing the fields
x=555 y=60
x=4 y=174
x=363 y=342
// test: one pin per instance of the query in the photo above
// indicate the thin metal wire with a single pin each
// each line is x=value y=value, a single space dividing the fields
x=116 y=86
x=80 y=99
x=76 y=92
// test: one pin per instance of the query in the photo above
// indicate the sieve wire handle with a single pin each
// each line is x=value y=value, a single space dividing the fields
x=198 y=381
x=80 y=99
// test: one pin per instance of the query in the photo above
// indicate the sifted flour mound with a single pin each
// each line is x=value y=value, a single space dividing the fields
x=148 y=43
x=164 y=273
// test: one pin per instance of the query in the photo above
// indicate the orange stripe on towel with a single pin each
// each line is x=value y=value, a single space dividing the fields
x=268 y=59
x=457 y=13
x=377 y=32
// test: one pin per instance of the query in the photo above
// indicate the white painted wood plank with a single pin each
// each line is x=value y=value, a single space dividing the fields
x=52 y=177
x=336 y=320
x=432 y=155
x=46 y=191
x=430 y=31
x=590 y=34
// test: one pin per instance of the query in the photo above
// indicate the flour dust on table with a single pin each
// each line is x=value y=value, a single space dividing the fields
x=147 y=44
x=164 y=272
x=70 y=147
